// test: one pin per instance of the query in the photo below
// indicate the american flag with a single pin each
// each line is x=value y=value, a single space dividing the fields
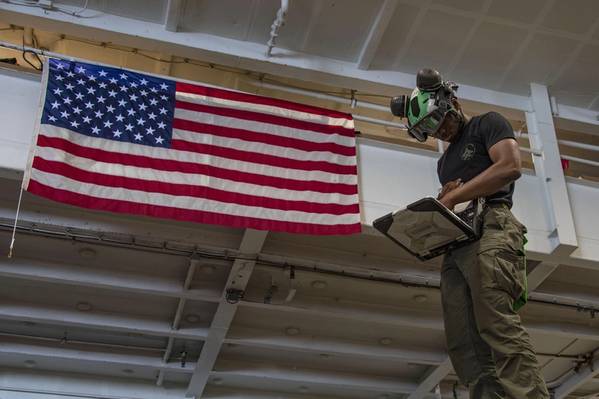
x=122 y=141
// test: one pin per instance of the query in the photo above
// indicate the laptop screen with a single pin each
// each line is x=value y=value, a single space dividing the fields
x=426 y=228
x=424 y=231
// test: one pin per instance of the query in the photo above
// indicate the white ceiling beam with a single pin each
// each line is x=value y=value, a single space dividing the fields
x=593 y=102
x=585 y=301
x=52 y=272
x=268 y=339
x=367 y=313
x=29 y=349
x=172 y=14
x=251 y=245
x=576 y=118
x=72 y=385
x=586 y=374
x=39 y=313
x=221 y=392
x=549 y=170
x=394 y=316
x=240 y=54
x=563 y=329
x=432 y=380
x=103 y=227
x=266 y=372
x=539 y=274
x=377 y=30
x=193 y=264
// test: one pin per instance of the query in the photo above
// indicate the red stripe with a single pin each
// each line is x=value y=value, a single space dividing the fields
x=90 y=202
x=254 y=99
x=266 y=118
x=190 y=167
x=265 y=138
x=151 y=186
x=254 y=157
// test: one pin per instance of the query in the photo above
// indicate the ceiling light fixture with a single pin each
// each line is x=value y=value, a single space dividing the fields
x=319 y=284
x=87 y=253
x=292 y=331
x=217 y=381
x=83 y=306
x=421 y=298
x=192 y=318
x=207 y=269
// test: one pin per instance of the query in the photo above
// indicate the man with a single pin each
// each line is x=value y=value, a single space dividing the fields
x=484 y=283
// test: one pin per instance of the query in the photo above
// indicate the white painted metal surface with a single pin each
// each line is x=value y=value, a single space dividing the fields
x=111 y=305
x=549 y=170
x=240 y=274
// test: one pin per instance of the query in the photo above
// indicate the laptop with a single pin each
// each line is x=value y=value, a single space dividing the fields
x=427 y=229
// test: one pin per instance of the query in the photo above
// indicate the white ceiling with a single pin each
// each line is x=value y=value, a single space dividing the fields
x=496 y=44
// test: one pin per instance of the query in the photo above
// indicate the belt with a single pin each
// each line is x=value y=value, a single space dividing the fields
x=497 y=205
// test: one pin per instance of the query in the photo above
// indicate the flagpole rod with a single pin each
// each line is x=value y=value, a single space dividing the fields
x=14 y=227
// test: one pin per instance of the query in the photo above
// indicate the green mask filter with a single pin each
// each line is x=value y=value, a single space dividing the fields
x=421 y=104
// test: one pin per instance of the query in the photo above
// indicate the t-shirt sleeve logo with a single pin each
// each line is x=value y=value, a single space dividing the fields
x=468 y=152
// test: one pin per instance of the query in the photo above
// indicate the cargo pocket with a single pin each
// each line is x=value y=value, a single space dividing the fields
x=502 y=231
x=506 y=271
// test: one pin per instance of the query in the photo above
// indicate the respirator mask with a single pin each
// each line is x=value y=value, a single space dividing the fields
x=428 y=105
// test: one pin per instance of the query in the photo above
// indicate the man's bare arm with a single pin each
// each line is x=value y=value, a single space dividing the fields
x=505 y=169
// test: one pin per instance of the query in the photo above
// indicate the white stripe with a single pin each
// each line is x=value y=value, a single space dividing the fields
x=263 y=127
x=89 y=165
x=266 y=109
x=193 y=157
x=184 y=202
x=261 y=148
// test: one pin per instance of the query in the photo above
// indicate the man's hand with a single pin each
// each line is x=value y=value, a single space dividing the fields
x=445 y=197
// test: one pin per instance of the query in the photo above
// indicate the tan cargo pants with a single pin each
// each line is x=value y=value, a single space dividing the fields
x=489 y=349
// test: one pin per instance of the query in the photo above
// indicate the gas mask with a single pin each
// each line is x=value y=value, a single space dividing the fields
x=428 y=105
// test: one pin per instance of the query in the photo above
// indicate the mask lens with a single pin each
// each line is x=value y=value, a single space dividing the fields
x=427 y=125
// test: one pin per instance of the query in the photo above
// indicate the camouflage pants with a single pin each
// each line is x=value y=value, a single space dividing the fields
x=480 y=283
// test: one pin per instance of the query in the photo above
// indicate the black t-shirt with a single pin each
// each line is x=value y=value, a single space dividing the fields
x=469 y=155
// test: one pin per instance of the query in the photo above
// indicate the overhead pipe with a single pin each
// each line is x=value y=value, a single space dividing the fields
x=276 y=25
x=355 y=103
x=263 y=259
